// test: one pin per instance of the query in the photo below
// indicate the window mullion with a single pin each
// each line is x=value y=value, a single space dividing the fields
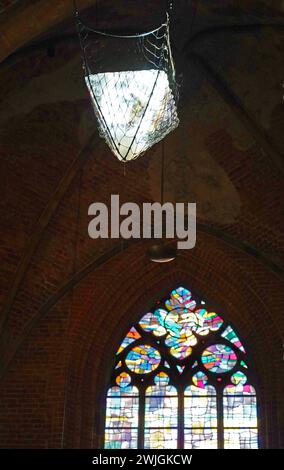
x=220 y=418
x=180 y=441
x=141 y=418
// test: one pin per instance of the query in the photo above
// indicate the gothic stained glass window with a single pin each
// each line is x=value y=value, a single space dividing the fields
x=181 y=379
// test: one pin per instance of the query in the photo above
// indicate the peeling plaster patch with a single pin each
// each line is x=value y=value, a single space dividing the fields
x=64 y=84
x=210 y=110
x=192 y=175
x=251 y=79
x=260 y=94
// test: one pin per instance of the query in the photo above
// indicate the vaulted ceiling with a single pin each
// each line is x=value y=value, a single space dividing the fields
x=226 y=155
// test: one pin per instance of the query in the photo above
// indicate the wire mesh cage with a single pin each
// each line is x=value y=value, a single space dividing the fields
x=131 y=81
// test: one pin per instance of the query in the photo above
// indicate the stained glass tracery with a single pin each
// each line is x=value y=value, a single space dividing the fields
x=181 y=380
x=219 y=358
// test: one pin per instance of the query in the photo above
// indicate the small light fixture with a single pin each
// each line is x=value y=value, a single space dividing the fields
x=161 y=253
x=135 y=104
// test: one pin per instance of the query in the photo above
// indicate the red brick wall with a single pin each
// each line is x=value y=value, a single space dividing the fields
x=59 y=338
x=53 y=391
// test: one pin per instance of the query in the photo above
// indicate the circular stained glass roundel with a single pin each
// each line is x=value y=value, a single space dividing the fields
x=219 y=358
x=200 y=380
x=143 y=359
x=123 y=379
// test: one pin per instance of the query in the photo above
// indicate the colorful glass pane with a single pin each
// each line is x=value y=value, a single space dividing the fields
x=200 y=411
x=121 y=438
x=122 y=392
x=200 y=438
x=219 y=358
x=239 y=390
x=181 y=323
x=180 y=298
x=240 y=439
x=200 y=414
x=154 y=322
x=161 y=380
x=207 y=321
x=179 y=347
x=143 y=359
x=239 y=411
x=131 y=336
x=213 y=321
x=172 y=325
x=231 y=336
x=122 y=418
x=161 y=386
x=122 y=411
x=123 y=379
x=200 y=379
x=160 y=439
x=192 y=390
x=160 y=411
x=238 y=378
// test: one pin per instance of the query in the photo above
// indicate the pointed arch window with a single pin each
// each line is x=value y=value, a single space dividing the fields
x=181 y=380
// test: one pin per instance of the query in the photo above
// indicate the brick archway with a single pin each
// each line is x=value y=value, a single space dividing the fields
x=100 y=328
